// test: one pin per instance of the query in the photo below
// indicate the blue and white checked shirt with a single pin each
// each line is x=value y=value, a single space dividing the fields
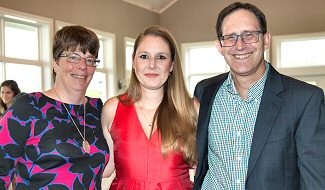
x=230 y=135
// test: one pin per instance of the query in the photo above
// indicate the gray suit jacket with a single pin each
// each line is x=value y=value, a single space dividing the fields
x=288 y=146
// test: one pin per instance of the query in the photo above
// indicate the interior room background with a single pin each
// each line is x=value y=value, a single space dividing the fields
x=192 y=22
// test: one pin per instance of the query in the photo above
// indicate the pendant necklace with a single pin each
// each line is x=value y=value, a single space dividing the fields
x=85 y=143
x=149 y=123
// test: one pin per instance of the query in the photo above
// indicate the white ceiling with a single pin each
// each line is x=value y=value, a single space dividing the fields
x=157 y=6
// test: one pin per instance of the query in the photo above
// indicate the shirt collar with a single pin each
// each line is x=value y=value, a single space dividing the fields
x=254 y=91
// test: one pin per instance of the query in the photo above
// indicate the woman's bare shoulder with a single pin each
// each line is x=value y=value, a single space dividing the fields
x=108 y=112
x=111 y=103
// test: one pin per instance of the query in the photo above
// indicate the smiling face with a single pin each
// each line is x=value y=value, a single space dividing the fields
x=244 y=59
x=7 y=95
x=152 y=62
x=73 y=77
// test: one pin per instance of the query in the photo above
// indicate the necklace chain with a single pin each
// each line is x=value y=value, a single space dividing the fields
x=82 y=136
x=149 y=123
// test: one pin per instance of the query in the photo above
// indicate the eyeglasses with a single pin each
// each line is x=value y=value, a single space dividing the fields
x=249 y=37
x=75 y=58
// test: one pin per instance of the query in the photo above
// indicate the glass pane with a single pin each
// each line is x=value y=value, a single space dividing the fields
x=128 y=58
x=194 y=80
x=302 y=53
x=21 y=41
x=1 y=72
x=101 y=54
x=26 y=76
x=97 y=86
x=312 y=82
x=206 y=60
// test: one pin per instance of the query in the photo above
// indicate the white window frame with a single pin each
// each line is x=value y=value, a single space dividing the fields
x=45 y=30
x=185 y=49
x=311 y=73
x=296 y=71
x=109 y=67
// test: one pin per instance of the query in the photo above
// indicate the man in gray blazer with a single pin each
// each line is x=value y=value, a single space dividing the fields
x=257 y=129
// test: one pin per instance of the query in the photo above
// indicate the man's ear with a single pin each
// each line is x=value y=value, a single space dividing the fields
x=267 y=40
x=219 y=47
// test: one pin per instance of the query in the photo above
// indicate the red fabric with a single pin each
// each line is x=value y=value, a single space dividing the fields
x=139 y=162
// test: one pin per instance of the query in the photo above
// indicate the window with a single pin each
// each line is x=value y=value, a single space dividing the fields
x=301 y=56
x=129 y=44
x=201 y=60
x=103 y=84
x=303 y=50
x=25 y=51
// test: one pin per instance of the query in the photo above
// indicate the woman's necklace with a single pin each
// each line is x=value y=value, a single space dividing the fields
x=85 y=143
x=149 y=123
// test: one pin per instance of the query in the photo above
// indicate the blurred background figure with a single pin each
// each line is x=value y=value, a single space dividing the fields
x=9 y=89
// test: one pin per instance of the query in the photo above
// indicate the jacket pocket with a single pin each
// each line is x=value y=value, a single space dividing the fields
x=278 y=135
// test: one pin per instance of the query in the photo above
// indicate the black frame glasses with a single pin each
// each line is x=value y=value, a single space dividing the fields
x=249 y=37
x=76 y=58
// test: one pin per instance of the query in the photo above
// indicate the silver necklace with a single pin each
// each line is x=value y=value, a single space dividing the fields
x=149 y=123
x=85 y=143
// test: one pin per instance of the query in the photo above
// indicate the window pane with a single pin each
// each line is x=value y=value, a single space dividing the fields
x=128 y=54
x=1 y=71
x=27 y=76
x=312 y=82
x=194 y=80
x=21 y=41
x=101 y=55
x=302 y=53
x=96 y=88
x=206 y=60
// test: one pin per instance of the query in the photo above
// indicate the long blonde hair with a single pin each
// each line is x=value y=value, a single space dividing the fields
x=176 y=115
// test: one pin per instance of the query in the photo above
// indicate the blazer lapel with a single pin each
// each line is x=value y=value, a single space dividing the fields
x=268 y=111
x=206 y=98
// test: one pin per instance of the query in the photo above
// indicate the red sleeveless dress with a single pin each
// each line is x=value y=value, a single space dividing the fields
x=138 y=160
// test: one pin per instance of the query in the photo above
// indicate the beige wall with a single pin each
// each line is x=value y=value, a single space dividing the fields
x=114 y=16
x=188 y=20
x=194 y=20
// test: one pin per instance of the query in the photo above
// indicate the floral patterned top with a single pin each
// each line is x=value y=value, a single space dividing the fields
x=39 y=140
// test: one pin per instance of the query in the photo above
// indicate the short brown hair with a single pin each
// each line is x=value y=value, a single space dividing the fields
x=75 y=37
x=236 y=6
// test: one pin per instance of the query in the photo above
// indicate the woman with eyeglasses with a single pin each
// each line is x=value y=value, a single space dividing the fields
x=54 y=138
